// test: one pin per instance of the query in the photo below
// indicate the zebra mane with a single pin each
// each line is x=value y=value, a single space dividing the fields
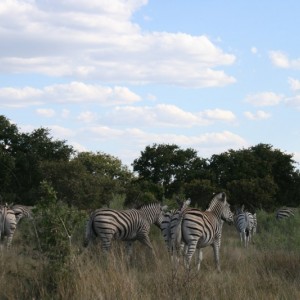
x=215 y=201
x=153 y=204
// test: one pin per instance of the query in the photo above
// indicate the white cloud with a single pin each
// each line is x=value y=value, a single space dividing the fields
x=218 y=114
x=264 y=99
x=254 y=50
x=87 y=117
x=65 y=113
x=59 y=132
x=293 y=101
x=99 y=41
x=19 y=97
x=74 y=92
x=165 y=115
x=46 y=112
x=281 y=60
x=294 y=84
x=259 y=115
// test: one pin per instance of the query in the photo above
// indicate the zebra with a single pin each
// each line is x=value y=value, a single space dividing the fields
x=199 y=229
x=285 y=212
x=8 y=224
x=127 y=225
x=245 y=223
x=254 y=228
x=169 y=222
x=22 y=211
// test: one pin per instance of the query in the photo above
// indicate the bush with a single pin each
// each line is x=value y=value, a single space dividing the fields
x=278 y=234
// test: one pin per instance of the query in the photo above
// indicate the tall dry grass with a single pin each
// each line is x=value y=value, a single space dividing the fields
x=263 y=271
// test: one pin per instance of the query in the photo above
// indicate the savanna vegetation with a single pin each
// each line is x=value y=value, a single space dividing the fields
x=47 y=260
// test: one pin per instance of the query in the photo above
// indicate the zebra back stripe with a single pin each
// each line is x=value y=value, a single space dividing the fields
x=285 y=212
x=126 y=225
x=22 y=211
x=199 y=229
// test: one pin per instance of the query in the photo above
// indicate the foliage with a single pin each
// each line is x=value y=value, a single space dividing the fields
x=141 y=191
x=169 y=166
x=55 y=223
x=259 y=177
x=278 y=234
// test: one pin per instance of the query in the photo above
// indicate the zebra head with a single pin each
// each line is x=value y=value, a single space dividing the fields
x=221 y=208
x=160 y=213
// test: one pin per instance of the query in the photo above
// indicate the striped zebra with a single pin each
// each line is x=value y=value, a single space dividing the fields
x=244 y=223
x=254 y=229
x=8 y=224
x=285 y=212
x=169 y=222
x=127 y=225
x=199 y=229
x=22 y=211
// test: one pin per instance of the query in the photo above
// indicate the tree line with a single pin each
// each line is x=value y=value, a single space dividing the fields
x=259 y=176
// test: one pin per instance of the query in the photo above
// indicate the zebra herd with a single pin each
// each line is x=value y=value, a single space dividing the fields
x=185 y=230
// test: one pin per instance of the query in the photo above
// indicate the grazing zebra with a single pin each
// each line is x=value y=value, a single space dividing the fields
x=169 y=222
x=285 y=212
x=8 y=224
x=245 y=223
x=199 y=229
x=127 y=225
x=22 y=211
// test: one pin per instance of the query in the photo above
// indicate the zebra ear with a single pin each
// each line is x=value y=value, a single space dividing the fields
x=223 y=197
x=188 y=202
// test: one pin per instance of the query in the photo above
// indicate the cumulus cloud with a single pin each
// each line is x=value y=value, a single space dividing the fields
x=99 y=41
x=165 y=115
x=254 y=50
x=87 y=117
x=294 y=84
x=281 y=60
x=45 y=112
x=74 y=92
x=218 y=115
x=259 y=115
x=264 y=99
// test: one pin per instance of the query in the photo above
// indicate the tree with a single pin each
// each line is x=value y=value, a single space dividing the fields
x=169 y=166
x=266 y=175
x=89 y=180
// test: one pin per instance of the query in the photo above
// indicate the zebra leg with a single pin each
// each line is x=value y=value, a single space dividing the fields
x=129 y=248
x=146 y=241
x=199 y=258
x=191 y=250
x=216 y=248
x=105 y=242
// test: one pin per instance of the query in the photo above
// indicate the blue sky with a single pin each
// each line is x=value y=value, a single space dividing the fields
x=115 y=76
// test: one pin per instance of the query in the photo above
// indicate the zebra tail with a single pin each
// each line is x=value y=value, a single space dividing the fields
x=89 y=231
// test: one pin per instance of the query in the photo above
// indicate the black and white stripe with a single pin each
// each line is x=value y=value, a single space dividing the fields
x=170 y=221
x=127 y=225
x=22 y=211
x=245 y=224
x=199 y=229
x=8 y=224
x=285 y=212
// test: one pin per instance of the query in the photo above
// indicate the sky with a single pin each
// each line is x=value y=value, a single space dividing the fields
x=115 y=76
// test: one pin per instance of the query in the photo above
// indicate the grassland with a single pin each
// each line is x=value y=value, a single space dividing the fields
x=268 y=269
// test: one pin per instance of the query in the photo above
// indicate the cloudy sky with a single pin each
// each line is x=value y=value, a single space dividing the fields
x=117 y=75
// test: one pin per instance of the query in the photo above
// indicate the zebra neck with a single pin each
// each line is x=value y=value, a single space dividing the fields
x=148 y=213
x=216 y=209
